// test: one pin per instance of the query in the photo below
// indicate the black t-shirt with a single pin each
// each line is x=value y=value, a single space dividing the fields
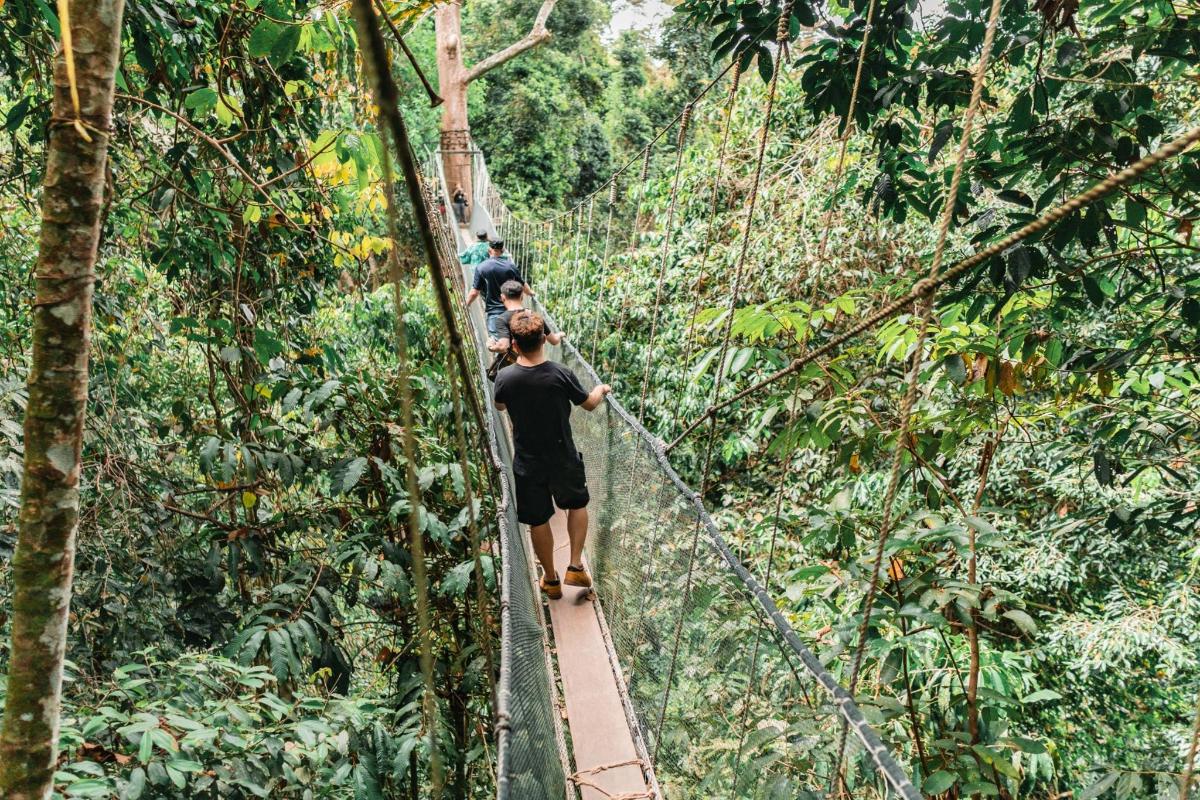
x=502 y=331
x=489 y=277
x=539 y=401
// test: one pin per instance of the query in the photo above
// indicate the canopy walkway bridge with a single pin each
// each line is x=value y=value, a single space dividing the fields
x=650 y=677
x=680 y=677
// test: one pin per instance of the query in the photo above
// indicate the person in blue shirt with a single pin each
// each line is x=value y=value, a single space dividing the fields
x=493 y=273
x=477 y=252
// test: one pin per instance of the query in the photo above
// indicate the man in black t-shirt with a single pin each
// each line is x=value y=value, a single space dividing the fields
x=490 y=275
x=538 y=395
x=511 y=294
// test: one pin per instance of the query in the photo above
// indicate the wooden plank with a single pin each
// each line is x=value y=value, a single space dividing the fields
x=595 y=716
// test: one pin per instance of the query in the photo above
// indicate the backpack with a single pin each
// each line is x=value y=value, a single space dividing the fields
x=501 y=361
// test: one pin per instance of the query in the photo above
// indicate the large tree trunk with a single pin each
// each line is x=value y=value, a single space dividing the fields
x=72 y=198
x=454 y=77
x=452 y=86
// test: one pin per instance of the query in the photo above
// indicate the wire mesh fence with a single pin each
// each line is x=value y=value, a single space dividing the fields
x=730 y=701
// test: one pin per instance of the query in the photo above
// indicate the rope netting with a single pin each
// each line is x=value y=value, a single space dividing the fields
x=531 y=754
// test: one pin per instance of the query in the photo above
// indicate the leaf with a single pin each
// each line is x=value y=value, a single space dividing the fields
x=956 y=368
x=89 y=787
x=1190 y=311
x=280 y=663
x=266 y=346
x=346 y=474
x=263 y=38
x=1054 y=351
x=1102 y=468
x=145 y=747
x=136 y=785
x=1040 y=695
x=285 y=45
x=457 y=579
x=1008 y=379
x=17 y=114
x=1099 y=787
x=741 y=359
x=766 y=65
x=1028 y=745
x=202 y=100
x=941 y=135
x=938 y=782
x=980 y=787
x=1148 y=127
x=1094 y=292
x=1016 y=197
x=1023 y=620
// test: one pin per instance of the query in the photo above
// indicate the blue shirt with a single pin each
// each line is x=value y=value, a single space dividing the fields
x=489 y=277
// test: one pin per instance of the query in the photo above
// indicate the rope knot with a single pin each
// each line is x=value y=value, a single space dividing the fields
x=612 y=192
x=924 y=287
x=683 y=123
x=785 y=16
x=646 y=164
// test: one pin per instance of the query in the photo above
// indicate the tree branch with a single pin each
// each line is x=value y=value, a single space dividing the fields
x=536 y=36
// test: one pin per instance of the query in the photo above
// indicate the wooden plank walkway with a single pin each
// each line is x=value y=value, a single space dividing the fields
x=595 y=715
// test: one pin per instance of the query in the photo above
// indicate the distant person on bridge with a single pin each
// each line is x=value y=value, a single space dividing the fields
x=477 y=252
x=489 y=277
x=459 y=201
x=538 y=395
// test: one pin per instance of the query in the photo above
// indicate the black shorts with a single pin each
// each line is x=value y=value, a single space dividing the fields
x=539 y=490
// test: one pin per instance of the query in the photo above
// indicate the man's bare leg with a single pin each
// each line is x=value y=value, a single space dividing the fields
x=543 y=548
x=577 y=528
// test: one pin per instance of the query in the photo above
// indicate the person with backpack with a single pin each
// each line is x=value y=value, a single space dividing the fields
x=511 y=293
x=477 y=252
x=538 y=394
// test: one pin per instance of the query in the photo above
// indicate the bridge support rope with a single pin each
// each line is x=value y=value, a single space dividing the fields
x=780 y=41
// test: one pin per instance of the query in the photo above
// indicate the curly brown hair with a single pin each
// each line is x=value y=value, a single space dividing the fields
x=528 y=330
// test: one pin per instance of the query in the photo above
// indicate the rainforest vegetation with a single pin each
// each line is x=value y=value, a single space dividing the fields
x=243 y=613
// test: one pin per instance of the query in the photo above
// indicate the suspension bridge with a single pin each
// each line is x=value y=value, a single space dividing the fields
x=698 y=686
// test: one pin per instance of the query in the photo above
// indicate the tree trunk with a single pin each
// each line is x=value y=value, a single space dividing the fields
x=452 y=86
x=72 y=200
x=454 y=78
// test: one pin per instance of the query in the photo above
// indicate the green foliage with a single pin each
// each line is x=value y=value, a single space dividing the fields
x=204 y=726
x=244 y=488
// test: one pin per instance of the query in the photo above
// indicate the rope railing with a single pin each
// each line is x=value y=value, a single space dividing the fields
x=886 y=764
x=531 y=751
x=845 y=707
x=925 y=314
